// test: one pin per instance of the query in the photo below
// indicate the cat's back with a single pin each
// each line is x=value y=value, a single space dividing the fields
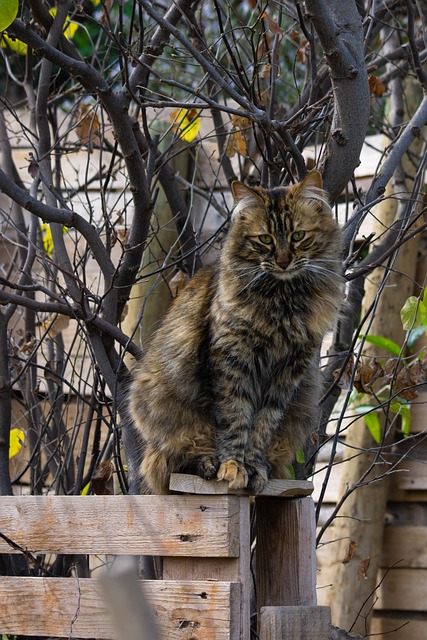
x=174 y=352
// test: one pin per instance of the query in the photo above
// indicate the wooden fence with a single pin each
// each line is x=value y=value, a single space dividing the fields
x=204 y=540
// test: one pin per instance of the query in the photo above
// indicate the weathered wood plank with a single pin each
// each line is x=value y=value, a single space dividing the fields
x=153 y=525
x=67 y=607
x=286 y=558
x=405 y=628
x=296 y=623
x=187 y=483
x=224 y=569
x=402 y=590
x=406 y=545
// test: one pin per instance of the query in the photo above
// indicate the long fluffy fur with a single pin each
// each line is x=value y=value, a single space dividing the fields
x=228 y=387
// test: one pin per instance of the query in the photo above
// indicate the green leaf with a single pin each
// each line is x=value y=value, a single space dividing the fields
x=8 y=13
x=414 y=334
x=291 y=471
x=300 y=457
x=373 y=423
x=404 y=411
x=413 y=313
x=384 y=343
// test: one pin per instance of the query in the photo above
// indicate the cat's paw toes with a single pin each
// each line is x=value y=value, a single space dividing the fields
x=207 y=467
x=234 y=472
x=258 y=480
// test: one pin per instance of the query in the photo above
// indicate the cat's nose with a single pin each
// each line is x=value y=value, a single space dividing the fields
x=283 y=259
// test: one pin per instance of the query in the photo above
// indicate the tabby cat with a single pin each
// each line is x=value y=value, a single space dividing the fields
x=229 y=385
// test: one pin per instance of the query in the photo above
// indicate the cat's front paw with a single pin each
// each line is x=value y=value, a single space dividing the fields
x=207 y=466
x=258 y=477
x=234 y=472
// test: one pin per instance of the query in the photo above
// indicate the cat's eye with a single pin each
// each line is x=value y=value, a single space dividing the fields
x=265 y=239
x=298 y=235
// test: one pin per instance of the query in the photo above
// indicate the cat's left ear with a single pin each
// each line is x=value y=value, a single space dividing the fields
x=312 y=179
x=243 y=192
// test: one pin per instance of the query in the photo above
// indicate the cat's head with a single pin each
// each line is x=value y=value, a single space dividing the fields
x=285 y=230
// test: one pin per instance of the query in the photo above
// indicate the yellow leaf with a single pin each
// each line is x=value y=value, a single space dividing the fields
x=16 y=441
x=85 y=490
x=70 y=27
x=48 y=239
x=13 y=44
x=185 y=123
x=8 y=13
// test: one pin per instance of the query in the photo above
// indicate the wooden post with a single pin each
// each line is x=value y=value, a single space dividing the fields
x=295 y=623
x=286 y=552
x=285 y=535
x=222 y=569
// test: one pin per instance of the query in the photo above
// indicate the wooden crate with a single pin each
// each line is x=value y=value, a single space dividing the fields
x=205 y=544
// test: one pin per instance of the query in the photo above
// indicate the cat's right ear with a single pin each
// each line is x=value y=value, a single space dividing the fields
x=241 y=192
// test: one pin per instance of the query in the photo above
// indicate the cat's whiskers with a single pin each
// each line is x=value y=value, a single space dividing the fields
x=251 y=282
x=328 y=273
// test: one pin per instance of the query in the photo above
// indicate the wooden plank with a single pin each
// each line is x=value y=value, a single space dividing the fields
x=405 y=628
x=286 y=557
x=401 y=488
x=187 y=483
x=153 y=525
x=223 y=569
x=67 y=607
x=405 y=545
x=402 y=590
x=296 y=623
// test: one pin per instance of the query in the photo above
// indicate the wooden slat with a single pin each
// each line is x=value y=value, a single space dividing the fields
x=403 y=590
x=187 y=483
x=153 y=525
x=406 y=545
x=296 y=623
x=67 y=607
x=399 y=628
x=407 y=485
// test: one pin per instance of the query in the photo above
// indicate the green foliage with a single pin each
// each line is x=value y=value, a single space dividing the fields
x=414 y=312
x=371 y=418
x=404 y=411
x=384 y=343
x=8 y=13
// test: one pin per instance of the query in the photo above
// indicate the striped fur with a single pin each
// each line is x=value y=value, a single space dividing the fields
x=229 y=385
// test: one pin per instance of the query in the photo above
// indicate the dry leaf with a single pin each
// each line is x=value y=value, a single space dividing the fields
x=106 y=6
x=87 y=128
x=345 y=379
x=50 y=373
x=366 y=374
x=273 y=25
x=29 y=344
x=351 y=550
x=403 y=385
x=362 y=571
x=239 y=136
x=56 y=324
x=178 y=282
x=34 y=169
x=376 y=86
x=102 y=479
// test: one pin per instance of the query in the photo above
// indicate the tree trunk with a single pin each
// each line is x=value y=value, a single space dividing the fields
x=361 y=518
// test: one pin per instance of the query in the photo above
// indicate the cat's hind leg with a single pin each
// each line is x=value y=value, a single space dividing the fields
x=156 y=468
